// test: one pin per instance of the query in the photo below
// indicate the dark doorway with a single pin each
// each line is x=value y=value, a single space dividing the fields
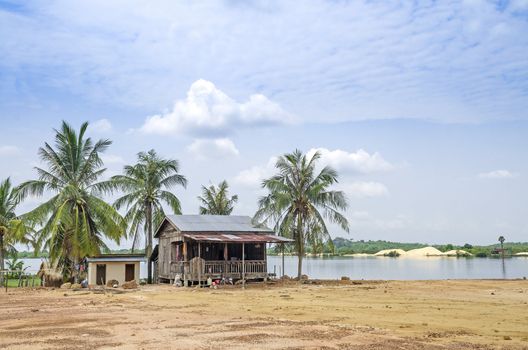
x=129 y=272
x=100 y=275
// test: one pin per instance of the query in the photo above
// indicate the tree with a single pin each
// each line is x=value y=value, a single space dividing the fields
x=300 y=200
x=75 y=220
x=501 y=240
x=216 y=200
x=12 y=228
x=146 y=186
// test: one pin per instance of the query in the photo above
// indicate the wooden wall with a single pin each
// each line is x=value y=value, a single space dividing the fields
x=167 y=235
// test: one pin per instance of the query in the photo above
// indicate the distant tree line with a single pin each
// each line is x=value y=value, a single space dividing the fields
x=343 y=246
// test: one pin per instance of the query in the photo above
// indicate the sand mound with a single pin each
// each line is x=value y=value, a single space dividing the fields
x=522 y=254
x=386 y=252
x=457 y=252
x=426 y=251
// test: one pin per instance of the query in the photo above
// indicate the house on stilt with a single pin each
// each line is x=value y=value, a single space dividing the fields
x=194 y=248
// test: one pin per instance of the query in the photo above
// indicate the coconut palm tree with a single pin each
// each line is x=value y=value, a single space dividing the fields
x=300 y=200
x=12 y=227
x=74 y=220
x=216 y=200
x=146 y=186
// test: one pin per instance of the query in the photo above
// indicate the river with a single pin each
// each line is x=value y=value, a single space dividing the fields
x=386 y=268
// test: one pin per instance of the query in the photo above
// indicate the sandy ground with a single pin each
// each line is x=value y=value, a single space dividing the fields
x=338 y=315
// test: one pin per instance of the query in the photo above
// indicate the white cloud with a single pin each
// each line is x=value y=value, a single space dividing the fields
x=215 y=148
x=101 y=126
x=9 y=150
x=253 y=176
x=359 y=215
x=362 y=189
x=362 y=60
x=498 y=174
x=208 y=110
x=358 y=162
x=112 y=159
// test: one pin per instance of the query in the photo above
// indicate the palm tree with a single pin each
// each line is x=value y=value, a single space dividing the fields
x=216 y=201
x=501 y=240
x=12 y=228
x=146 y=186
x=300 y=200
x=75 y=220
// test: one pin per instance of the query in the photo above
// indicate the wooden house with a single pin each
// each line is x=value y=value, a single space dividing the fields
x=197 y=247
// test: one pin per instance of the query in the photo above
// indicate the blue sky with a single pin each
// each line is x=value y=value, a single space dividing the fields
x=420 y=105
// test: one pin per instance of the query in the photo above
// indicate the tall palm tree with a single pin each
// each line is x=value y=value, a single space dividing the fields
x=216 y=200
x=501 y=240
x=146 y=186
x=75 y=220
x=12 y=228
x=300 y=200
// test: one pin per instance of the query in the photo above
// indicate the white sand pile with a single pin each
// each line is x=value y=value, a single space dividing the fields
x=388 y=251
x=426 y=251
x=522 y=254
x=457 y=252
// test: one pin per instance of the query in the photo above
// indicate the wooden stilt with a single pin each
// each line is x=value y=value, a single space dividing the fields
x=200 y=265
x=282 y=248
x=243 y=265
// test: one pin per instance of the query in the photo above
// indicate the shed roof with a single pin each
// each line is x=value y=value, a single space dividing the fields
x=236 y=237
x=117 y=258
x=215 y=223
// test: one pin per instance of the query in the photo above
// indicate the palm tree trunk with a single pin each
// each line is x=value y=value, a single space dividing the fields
x=1 y=259
x=300 y=247
x=148 y=248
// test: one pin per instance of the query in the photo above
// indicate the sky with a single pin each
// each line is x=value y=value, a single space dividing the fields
x=421 y=106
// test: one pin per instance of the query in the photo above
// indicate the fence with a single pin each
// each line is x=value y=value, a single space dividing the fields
x=18 y=279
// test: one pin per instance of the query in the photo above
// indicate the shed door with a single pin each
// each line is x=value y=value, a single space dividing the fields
x=100 y=275
x=129 y=272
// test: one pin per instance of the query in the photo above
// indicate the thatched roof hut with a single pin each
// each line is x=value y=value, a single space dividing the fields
x=51 y=276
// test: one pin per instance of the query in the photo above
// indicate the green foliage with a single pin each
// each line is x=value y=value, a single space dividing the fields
x=146 y=186
x=13 y=229
x=74 y=220
x=343 y=246
x=346 y=246
x=299 y=200
x=216 y=200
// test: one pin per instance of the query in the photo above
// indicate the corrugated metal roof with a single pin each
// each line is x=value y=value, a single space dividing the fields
x=236 y=238
x=117 y=258
x=215 y=223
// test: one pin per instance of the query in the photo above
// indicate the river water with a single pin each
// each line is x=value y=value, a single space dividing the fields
x=386 y=268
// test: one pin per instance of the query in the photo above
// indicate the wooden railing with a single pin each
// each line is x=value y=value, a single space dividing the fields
x=221 y=267
x=234 y=267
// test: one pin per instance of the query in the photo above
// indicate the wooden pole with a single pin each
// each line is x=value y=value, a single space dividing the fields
x=226 y=257
x=243 y=265
x=200 y=266
x=282 y=246
x=265 y=260
x=185 y=277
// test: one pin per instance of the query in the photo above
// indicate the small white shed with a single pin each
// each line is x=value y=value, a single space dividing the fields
x=120 y=267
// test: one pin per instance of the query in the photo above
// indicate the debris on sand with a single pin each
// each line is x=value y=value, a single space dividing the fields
x=130 y=285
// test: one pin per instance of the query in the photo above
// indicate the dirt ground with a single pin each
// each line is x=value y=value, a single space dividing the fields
x=329 y=315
